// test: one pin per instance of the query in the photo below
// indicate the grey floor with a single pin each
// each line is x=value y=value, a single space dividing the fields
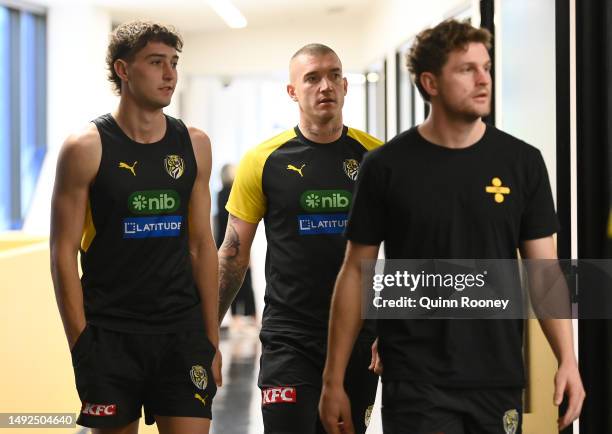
x=236 y=407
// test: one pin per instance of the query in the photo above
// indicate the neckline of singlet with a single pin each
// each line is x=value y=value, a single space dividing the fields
x=116 y=126
x=454 y=151
x=310 y=142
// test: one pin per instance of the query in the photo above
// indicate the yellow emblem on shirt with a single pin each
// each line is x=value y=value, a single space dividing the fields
x=498 y=190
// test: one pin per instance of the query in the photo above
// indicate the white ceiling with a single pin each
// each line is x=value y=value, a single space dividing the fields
x=197 y=16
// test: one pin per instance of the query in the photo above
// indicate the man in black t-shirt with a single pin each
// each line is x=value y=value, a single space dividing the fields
x=454 y=188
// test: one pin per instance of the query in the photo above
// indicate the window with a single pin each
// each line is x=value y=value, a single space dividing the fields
x=376 y=100
x=411 y=107
x=405 y=91
x=22 y=111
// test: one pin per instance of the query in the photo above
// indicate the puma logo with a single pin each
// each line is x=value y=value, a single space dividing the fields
x=197 y=396
x=295 y=169
x=123 y=165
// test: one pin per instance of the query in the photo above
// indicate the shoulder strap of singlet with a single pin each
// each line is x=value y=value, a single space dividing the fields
x=105 y=122
x=180 y=127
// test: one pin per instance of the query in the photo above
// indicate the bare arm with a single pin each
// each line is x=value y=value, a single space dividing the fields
x=234 y=257
x=559 y=333
x=77 y=166
x=202 y=246
x=344 y=325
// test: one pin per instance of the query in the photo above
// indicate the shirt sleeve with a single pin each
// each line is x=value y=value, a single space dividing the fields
x=247 y=200
x=539 y=219
x=368 y=212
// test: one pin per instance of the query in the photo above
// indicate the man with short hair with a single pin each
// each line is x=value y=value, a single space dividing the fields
x=131 y=194
x=300 y=182
x=425 y=195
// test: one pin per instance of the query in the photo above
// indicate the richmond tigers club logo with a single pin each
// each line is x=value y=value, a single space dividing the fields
x=175 y=166
x=199 y=376
x=368 y=415
x=351 y=168
x=511 y=421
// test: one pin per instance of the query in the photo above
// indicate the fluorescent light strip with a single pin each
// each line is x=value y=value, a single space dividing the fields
x=229 y=13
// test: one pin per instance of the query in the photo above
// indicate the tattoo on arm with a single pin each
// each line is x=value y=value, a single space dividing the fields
x=231 y=242
x=232 y=268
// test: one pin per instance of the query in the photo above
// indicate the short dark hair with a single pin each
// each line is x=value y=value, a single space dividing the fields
x=131 y=37
x=314 y=50
x=430 y=51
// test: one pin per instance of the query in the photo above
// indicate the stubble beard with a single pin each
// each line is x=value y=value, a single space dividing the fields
x=467 y=113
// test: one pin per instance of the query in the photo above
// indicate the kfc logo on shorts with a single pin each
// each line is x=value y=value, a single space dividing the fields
x=276 y=395
x=99 y=409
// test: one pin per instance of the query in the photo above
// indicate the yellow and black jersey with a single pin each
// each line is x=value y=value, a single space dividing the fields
x=134 y=253
x=303 y=190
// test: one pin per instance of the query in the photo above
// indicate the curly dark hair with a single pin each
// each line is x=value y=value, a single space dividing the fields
x=129 y=38
x=430 y=51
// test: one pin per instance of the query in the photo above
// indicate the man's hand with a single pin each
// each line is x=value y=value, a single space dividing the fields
x=77 y=166
x=376 y=364
x=216 y=368
x=559 y=333
x=568 y=382
x=74 y=337
x=335 y=411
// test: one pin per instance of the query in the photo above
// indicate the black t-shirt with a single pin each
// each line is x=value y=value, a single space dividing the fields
x=430 y=202
x=303 y=191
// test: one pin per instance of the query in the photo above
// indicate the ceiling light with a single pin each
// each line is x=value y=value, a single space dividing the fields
x=335 y=10
x=355 y=78
x=372 y=77
x=229 y=13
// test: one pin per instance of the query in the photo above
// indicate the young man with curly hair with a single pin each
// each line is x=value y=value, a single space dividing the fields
x=131 y=195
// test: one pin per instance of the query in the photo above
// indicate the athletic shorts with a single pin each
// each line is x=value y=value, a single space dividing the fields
x=414 y=408
x=118 y=373
x=290 y=383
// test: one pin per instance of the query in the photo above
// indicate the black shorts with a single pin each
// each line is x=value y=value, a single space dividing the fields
x=414 y=408
x=118 y=373
x=290 y=382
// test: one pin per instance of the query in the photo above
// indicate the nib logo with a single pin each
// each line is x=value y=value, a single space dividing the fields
x=312 y=201
x=277 y=395
x=99 y=409
x=326 y=200
x=154 y=202
x=139 y=202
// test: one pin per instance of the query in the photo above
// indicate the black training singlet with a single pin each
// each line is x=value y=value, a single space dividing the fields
x=134 y=253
